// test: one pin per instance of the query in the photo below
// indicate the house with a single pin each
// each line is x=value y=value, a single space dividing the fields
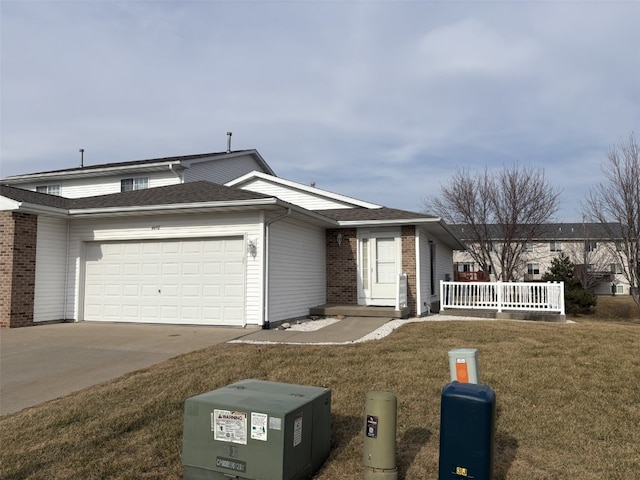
x=213 y=239
x=588 y=246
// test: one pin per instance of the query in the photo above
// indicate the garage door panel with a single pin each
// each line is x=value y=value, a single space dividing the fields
x=233 y=268
x=191 y=291
x=177 y=281
x=150 y=311
x=112 y=270
x=170 y=269
x=131 y=290
x=190 y=313
x=212 y=268
x=170 y=247
x=191 y=268
x=112 y=290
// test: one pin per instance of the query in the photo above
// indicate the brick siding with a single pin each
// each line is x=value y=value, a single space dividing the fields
x=18 y=237
x=342 y=266
x=408 y=234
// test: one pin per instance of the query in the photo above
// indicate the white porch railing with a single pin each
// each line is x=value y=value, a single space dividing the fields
x=530 y=296
x=401 y=292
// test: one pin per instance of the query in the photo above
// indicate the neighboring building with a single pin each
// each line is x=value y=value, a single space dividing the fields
x=213 y=239
x=585 y=244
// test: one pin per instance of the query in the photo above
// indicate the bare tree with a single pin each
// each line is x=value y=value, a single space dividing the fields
x=615 y=203
x=500 y=213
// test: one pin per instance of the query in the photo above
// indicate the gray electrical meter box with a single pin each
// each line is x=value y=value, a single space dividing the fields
x=256 y=430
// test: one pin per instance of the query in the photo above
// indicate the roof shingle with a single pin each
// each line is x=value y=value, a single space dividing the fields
x=371 y=214
x=192 y=192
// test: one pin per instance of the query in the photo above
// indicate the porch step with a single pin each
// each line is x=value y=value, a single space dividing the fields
x=333 y=309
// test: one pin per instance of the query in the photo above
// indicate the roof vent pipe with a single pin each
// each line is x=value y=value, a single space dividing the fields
x=229 y=142
x=81 y=158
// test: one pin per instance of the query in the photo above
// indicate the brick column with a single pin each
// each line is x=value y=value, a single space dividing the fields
x=18 y=237
x=342 y=266
x=409 y=266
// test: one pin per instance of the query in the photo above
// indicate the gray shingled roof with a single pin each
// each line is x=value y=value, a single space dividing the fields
x=550 y=231
x=192 y=192
x=371 y=214
x=28 y=196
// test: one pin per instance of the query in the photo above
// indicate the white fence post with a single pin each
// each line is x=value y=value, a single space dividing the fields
x=499 y=295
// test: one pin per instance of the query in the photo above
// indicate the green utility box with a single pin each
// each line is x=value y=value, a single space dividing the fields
x=256 y=430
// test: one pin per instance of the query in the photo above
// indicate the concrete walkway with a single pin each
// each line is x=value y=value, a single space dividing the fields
x=44 y=362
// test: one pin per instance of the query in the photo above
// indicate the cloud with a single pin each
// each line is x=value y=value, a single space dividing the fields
x=471 y=47
x=381 y=100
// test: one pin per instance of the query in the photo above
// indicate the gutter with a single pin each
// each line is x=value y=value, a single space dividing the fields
x=77 y=212
x=86 y=172
x=40 y=209
x=265 y=268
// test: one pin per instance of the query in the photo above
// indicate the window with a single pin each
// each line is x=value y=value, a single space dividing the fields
x=590 y=246
x=527 y=247
x=465 y=267
x=555 y=247
x=49 y=189
x=615 y=268
x=533 y=268
x=137 y=183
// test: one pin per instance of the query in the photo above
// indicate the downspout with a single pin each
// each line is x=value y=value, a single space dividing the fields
x=66 y=275
x=265 y=269
x=418 y=275
x=176 y=173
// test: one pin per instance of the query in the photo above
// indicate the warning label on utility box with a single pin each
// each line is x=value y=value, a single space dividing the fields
x=259 y=426
x=372 y=426
x=297 y=430
x=229 y=426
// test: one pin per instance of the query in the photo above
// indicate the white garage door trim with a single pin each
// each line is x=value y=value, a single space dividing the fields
x=180 y=281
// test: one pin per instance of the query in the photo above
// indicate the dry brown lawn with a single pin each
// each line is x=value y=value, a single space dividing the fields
x=568 y=402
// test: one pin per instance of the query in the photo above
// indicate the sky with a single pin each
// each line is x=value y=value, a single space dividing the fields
x=379 y=100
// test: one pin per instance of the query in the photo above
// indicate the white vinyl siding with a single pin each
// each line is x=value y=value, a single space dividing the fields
x=297 y=265
x=247 y=225
x=444 y=264
x=297 y=197
x=220 y=170
x=424 y=273
x=93 y=186
x=51 y=254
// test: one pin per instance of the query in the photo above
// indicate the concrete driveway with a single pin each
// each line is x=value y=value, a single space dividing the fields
x=44 y=362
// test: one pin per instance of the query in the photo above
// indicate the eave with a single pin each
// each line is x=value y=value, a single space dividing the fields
x=91 y=172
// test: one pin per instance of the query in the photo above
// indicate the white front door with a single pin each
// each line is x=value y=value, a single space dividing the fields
x=379 y=267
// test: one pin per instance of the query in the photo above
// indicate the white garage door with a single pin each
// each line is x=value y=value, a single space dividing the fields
x=197 y=281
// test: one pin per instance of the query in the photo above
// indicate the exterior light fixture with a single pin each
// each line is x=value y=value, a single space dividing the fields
x=339 y=239
x=252 y=248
